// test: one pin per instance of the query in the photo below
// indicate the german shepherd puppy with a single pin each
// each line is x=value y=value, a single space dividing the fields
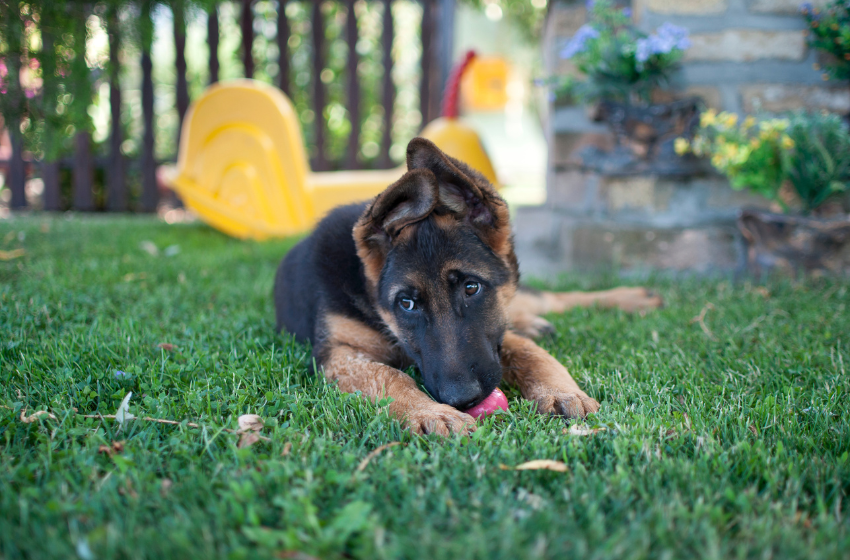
x=425 y=274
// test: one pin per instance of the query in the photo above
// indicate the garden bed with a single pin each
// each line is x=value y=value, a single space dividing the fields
x=726 y=416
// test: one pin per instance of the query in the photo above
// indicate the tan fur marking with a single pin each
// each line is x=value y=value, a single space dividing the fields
x=389 y=320
x=370 y=255
x=342 y=330
x=542 y=379
x=354 y=370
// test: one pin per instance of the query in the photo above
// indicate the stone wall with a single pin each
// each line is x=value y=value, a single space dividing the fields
x=747 y=56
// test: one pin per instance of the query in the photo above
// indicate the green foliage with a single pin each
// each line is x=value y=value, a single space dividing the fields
x=819 y=163
x=619 y=61
x=829 y=31
x=748 y=153
x=527 y=15
x=811 y=150
x=727 y=445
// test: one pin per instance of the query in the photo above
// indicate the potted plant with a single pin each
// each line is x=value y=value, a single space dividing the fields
x=622 y=68
x=802 y=163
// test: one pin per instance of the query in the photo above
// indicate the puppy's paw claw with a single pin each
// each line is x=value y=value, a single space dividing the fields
x=568 y=405
x=439 y=419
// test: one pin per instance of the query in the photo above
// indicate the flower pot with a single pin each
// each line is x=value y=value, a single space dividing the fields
x=643 y=128
x=789 y=244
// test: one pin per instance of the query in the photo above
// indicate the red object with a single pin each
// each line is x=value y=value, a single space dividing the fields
x=497 y=400
x=452 y=91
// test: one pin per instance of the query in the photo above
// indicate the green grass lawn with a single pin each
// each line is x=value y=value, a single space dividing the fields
x=731 y=440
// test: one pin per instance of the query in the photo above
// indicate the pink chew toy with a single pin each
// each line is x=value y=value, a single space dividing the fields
x=496 y=400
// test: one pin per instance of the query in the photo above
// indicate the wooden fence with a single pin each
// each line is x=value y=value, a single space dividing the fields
x=437 y=17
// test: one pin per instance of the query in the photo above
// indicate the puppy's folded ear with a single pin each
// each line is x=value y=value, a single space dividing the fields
x=407 y=201
x=464 y=193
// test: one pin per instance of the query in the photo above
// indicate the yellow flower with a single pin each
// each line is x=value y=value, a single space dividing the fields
x=755 y=143
x=681 y=145
x=787 y=143
x=749 y=121
x=708 y=118
x=729 y=119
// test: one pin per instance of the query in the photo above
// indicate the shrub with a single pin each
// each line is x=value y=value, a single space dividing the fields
x=817 y=166
x=809 y=150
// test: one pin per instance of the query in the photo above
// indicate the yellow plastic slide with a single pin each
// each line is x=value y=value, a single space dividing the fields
x=243 y=167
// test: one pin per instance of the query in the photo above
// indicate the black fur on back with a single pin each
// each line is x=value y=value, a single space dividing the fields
x=322 y=274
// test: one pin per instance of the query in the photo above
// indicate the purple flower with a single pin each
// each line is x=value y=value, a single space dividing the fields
x=627 y=12
x=578 y=43
x=589 y=4
x=678 y=36
x=806 y=8
x=665 y=39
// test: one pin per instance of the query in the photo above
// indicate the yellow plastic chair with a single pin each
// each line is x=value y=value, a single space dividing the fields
x=242 y=164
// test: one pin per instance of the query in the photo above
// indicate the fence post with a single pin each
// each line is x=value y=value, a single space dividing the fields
x=428 y=98
x=283 y=33
x=353 y=87
x=17 y=171
x=150 y=193
x=212 y=41
x=83 y=173
x=447 y=35
x=388 y=97
x=50 y=164
x=247 y=25
x=117 y=196
x=13 y=104
x=318 y=32
x=182 y=88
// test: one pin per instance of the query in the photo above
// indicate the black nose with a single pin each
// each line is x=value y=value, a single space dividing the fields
x=462 y=396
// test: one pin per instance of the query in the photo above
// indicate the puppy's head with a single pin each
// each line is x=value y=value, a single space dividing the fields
x=439 y=262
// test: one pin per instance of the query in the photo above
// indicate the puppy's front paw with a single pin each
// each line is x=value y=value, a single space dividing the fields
x=440 y=419
x=568 y=405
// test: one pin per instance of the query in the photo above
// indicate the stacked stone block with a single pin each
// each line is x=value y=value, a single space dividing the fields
x=747 y=55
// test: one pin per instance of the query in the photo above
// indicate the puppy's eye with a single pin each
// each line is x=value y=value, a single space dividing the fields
x=407 y=304
x=472 y=288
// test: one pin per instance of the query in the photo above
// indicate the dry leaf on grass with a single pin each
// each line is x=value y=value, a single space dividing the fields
x=13 y=254
x=35 y=416
x=123 y=412
x=576 y=430
x=150 y=248
x=166 y=346
x=287 y=447
x=250 y=422
x=116 y=447
x=132 y=277
x=165 y=486
x=538 y=465
x=249 y=425
x=247 y=439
